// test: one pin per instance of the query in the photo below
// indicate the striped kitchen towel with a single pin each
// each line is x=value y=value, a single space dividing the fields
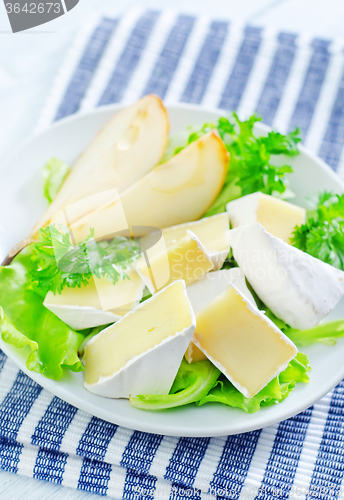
x=290 y=80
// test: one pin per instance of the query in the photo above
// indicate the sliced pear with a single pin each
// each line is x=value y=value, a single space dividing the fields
x=126 y=149
x=180 y=190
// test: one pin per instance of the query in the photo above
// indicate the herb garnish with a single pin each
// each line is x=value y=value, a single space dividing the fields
x=322 y=236
x=251 y=166
x=59 y=264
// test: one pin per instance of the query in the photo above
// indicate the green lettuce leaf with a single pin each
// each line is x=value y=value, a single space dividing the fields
x=54 y=173
x=274 y=392
x=326 y=333
x=202 y=383
x=24 y=321
x=191 y=384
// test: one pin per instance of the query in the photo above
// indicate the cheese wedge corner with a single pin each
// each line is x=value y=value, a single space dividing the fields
x=211 y=232
x=184 y=259
x=298 y=288
x=98 y=303
x=202 y=292
x=277 y=216
x=142 y=352
x=242 y=342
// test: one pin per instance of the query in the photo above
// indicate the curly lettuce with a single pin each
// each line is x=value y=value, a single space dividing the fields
x=322 y=235
x=324 y=333
x=202 y=383
x=24 y=321
x=274 y=392
x=251 y=167
x=192 y=383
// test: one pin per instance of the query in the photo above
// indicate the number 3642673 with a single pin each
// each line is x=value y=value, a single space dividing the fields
x=33 y=8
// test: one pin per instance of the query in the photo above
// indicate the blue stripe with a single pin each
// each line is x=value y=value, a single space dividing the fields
x=9 y=455
x=96 y=439
x=50 y=466
x=3 y=358
x=332 y=145
x=234 y=464
x=52 y=427
x=243 y=65
x=139 y=486
x=17 y=405
x=94 y=476
x=129 y=59
x=86 y=68
x=186 y=460
x=205 y=64
x=277 y=78
x=169 y=58
x=329 y=467
x=311 y=87
x=140 y=451
x=139 y=454
x=284 y=458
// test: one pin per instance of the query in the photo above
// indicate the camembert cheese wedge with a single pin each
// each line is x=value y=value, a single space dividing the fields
x=211 y=232
x=242 y=342
x=298 y=288
x=202 y=292
x=278 y=217
x=142 y=352
x=98 y=303
x=185 y=259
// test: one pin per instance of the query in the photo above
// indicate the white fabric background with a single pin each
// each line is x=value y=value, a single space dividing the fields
x=28 y=65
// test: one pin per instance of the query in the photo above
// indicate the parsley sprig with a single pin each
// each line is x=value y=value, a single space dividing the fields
x=59 y=264
x=323 y=233
x=252 y=167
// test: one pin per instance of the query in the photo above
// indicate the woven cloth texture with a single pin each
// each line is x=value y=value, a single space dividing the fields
x=290 y=80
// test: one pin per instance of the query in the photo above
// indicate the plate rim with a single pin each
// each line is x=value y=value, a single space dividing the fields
x=165 y=429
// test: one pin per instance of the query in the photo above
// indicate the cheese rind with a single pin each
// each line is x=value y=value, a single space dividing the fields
x=98 y=303
x=277 y=216
x=202 y=292
x=142 y=352
x=298 y=288
x=242 y=342
x=82 y=317
x=211 y=232
x=185 y=259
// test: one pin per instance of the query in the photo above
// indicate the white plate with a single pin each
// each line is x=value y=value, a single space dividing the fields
x=22 y=204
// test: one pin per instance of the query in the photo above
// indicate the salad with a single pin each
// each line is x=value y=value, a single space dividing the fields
x=177 y=270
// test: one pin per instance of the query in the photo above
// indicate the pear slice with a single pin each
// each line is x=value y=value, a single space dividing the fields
x=126 y=149
x=180 y=190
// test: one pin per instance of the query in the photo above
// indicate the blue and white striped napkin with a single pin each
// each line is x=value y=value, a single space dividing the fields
x=289 y=79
